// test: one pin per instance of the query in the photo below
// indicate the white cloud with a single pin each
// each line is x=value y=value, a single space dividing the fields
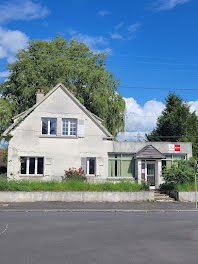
x=134 y=27
x=4 y=74
x=116 y=36
x=169 y=4
x=95 y=43
x=193 y=106
x=104 y=13
x=10 y=42
x=140 y=119
x=21 y=10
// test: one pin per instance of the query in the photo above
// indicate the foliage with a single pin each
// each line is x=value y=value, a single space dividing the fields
x=176 y=123
x=3 y=175
x=5 y=155
x=6 y=110
x=45 y=63
x=187 y=186
x=74 y=174
x=70 y=185
x=181 y=172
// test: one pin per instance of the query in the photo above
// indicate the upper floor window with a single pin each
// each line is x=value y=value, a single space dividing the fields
x=49 y=126
x=69 y=127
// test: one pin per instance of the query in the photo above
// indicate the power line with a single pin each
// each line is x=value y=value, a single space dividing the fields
x=157 y=88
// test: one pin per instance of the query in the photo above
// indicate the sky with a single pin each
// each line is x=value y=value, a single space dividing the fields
x=151 y=46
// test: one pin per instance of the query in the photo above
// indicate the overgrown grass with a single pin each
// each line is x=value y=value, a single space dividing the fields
x=188 y=186
x=70 y=185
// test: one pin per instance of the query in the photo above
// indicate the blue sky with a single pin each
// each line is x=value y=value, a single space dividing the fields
x=150 y=44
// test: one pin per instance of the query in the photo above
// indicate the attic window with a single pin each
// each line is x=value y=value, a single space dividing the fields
x=49 y=126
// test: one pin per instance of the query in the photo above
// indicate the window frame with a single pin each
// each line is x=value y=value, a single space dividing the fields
x=121 y=157
x=88 y=166
x=48 y=126
x=171 y=158
x=28 y=166
x=69 y=127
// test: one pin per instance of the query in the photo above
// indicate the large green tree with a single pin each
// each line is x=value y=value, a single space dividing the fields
x=43 y=64
x=176 y=123
x=6 y=111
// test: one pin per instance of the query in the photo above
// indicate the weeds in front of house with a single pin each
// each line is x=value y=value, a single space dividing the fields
x=187 y=186
x=69 y=185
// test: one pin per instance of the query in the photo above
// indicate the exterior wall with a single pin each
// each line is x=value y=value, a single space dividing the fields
x=62 y=152
x=59 y=152
x=9 y=197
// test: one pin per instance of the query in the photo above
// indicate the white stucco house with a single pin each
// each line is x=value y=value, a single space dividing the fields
x=59 y=133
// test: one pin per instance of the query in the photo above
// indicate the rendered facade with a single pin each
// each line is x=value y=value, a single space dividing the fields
x=59 y=133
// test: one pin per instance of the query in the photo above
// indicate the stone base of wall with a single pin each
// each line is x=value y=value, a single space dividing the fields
x=9 y=197
x=184 y=196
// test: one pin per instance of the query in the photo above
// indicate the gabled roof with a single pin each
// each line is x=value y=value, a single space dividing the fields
x=149 y=152
x=97 y=120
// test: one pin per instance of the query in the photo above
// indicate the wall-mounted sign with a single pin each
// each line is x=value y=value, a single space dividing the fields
x=174 y=147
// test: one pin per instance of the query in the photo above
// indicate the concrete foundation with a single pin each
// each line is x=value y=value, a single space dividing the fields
x=9 y=197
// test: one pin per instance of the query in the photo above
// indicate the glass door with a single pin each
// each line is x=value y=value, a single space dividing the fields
x=148 y=172
x=151 y=173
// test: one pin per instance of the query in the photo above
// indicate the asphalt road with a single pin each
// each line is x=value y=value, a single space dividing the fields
x=117 y=238
x=97 y=206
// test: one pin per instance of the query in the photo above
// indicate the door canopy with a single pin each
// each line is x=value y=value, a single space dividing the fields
x=149 y=152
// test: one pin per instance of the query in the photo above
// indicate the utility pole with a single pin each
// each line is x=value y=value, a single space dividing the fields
x=196 y=169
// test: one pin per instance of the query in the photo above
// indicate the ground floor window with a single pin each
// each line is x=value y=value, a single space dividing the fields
x=121 y=165
x=170 y=158
x=91 y=166
x=32 y=165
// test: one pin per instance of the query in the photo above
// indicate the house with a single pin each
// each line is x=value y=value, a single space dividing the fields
x=58 y=133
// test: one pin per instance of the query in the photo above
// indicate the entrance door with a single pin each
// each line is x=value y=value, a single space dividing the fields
x=148 y=172
x=151 y=173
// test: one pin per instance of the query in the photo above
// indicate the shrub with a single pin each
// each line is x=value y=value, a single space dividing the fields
x=74 y=174
x=180 y=172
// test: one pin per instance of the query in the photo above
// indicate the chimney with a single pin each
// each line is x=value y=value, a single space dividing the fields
x=39 y=95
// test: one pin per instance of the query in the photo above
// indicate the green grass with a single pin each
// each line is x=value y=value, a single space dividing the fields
x=70 y=185
x=188 y=186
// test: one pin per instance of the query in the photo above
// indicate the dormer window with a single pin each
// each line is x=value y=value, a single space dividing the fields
x=69 y=127
x=49 y=126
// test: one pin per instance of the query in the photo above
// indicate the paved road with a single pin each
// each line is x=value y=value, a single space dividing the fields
x=100 y=206
x=117 y=238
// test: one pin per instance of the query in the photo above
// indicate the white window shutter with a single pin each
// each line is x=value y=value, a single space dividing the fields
x=97 y=169
x=84 y=164
x=81 y=128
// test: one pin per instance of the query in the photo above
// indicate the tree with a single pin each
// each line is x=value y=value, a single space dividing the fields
x=43 y=64
x=176 y=123
x=181 y=171
x=6 y=110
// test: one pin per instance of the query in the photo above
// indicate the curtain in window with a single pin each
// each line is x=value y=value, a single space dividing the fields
x=111 y=168
x=126 y=168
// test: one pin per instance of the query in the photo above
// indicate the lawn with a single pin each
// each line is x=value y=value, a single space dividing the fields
x=69 y=185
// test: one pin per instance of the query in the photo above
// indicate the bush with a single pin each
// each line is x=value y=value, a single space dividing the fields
x=74 y=174
x=180 y=172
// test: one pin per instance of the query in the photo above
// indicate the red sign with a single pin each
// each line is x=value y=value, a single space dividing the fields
x=177 y=147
